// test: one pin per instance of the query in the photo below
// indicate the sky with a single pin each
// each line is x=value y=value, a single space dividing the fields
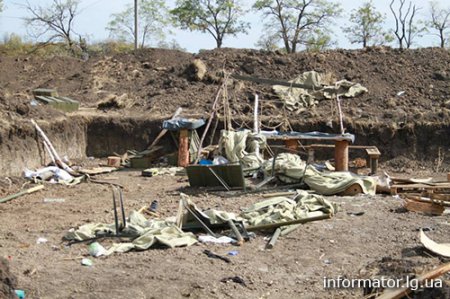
x=95 y=14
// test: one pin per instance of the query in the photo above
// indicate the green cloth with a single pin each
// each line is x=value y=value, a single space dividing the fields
x=241 y=146
x=298 y=98
x=282 y=209
x=273 y=210
x=148 y=233
x=290 y=168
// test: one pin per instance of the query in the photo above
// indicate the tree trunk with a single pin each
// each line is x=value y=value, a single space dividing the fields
x=441 y=35
x=219 y=42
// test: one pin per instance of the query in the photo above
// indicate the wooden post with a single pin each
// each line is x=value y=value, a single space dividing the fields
x=310 y=155
x=255 y=116
x=341 y=155
x=291 y=144
x=183 y=149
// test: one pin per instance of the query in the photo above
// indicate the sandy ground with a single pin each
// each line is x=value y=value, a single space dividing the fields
x=382 y=240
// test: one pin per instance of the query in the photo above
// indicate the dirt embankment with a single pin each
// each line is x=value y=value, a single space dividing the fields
x=405 y=112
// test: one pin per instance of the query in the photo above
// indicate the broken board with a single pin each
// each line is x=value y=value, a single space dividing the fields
x=441 y=188
x=201 y=175
x=423 y=207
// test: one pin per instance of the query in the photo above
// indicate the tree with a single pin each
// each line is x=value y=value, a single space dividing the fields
x=219 y=18
x=54 y=22
x=152 y=19
x=367 y=26
x=318 y=40
x=440 y=21
x=405 y=28
x=295 y=20
x=1 y=5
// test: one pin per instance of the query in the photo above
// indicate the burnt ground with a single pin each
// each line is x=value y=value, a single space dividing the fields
x=382 y=241
x=410 y=131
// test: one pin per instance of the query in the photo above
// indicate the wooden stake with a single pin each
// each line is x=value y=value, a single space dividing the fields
x=28 y=191
x=183 y=148
x=341 y=118
x=255 y=115
x=164 y=131
x=341 y=155
x=274 y=238
x=58 y=160
x=211 y=116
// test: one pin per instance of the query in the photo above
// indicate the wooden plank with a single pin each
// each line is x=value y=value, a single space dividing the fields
x=405 y=290
x=431 y=188
x=418 y=197
x=164 y=131
x=422 y=207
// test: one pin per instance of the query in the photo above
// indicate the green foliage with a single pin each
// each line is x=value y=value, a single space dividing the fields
x=1 y=5
x=110 y=47
x=171 y=45
x=268 y=42
x=13 y=45
x=219 y=18
x=152 y=19
x=318 y=40
x=367 y=26
x=297 y=22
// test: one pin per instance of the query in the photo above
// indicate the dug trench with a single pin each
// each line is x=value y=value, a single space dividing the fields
x=408 y=147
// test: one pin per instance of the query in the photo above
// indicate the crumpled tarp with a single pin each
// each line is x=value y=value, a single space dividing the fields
x=290 y=168
x=282 y=209
x=296 y=98
x=273 y=210
x=148 y=234
x=242 y=147
x=52 y=174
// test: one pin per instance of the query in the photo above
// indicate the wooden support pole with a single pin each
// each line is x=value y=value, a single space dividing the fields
x=274 y=238
x=28 y=191
x=284 y=223
x=164 y=131
x=341 y=155
x=183 y=149
x=255 y=116
x=239 y=238
x=291 y=144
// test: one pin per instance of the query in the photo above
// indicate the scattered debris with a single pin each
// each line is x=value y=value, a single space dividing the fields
x=220 y=240
x=441 y=249
x=428 y=208
x=20 y=294
x=233 y=253
x=50 y=97
x=235 y=279
x=21 y=193
x=405 y=290
x=96 y=249
x=216 y=256
x=41 y=240
x=86 y=262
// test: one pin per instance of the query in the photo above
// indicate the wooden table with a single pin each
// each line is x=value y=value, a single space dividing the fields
x=341 y=144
